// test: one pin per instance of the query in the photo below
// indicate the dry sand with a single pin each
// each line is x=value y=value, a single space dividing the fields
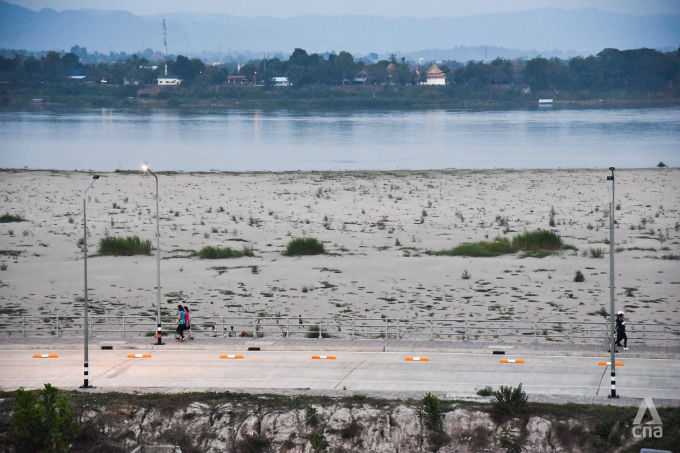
x=359 y=216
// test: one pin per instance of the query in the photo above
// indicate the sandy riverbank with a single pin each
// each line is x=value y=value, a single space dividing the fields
x=359 y=216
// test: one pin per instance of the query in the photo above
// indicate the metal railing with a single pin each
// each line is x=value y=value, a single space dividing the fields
x=506 y=330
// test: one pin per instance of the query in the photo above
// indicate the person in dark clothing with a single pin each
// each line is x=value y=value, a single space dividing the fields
x=187 y=318
x=621 y=331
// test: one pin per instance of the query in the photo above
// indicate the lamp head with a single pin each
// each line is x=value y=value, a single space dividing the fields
x=145 y=168
x=612 y=168
x=95 y=177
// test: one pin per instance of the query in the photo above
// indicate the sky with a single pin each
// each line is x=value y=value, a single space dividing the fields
x=388 y=8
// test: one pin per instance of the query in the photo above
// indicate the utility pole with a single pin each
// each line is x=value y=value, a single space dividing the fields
x=165 y=46
x=612 y=324
x=86 y=325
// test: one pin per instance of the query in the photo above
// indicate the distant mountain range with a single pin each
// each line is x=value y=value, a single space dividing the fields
x=552 y=31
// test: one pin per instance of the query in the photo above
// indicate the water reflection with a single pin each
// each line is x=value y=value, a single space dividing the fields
x=103 y=139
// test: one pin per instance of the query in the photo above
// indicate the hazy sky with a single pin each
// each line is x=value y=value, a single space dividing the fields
x=391 y=8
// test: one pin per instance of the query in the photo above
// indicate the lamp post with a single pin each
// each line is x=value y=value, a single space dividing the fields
x=612 y=324
x=86 y=378
x=255 y=79
x=145 y=169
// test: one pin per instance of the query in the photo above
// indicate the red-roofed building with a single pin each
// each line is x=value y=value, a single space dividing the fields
x=237 y=80
x=435 y=76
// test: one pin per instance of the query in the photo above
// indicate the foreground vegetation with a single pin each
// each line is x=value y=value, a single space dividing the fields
x=304 y=246
x=127 y=246
x=215 y=253
x=535 y=244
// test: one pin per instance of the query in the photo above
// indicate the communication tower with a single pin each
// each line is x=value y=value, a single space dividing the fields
x=165 y=46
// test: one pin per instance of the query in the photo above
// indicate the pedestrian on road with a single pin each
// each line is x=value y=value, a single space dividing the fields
x=187 y=318
x=257 y=328
x=181 y=323
x=300 y=321
x=621 y=331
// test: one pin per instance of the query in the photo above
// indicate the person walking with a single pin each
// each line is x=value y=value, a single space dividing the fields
x=257 y=328
x=181 y=323
x=187 y=318
x=300 y=321
x=621 y=331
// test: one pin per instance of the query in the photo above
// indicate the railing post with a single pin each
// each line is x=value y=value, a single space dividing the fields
x=123 y=324
x=222 y=326
x=352 y=328
x=431 y=330
x=254 y=328
x=571 y=334
x=398 y=335
x=287 y=326
x=23 y=323
x=57 y=326
x=387 y=327
x=644 y=337
x=535 y=333
x=91 y=324
x=465 y=334
x=320 y=327
x=500 y=329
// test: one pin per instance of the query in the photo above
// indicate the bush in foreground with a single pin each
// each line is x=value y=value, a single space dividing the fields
x=313 y=332
x=214 y=253
x=304 y=246
x=497 y=247
x=127 y=246
x=48 y=423
x=509 y=401
x=579 y=277
x=8 y=218
x=536 y=244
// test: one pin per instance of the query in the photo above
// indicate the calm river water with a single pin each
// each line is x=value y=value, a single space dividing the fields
x=107 y=139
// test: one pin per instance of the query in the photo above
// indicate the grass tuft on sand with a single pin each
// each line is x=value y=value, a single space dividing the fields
x=535 y=244
x=126 y=246
x=9 y=218
x=216 y=253
x=304 y=246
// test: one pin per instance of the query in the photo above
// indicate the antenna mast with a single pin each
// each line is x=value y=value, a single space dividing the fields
x=165 y=45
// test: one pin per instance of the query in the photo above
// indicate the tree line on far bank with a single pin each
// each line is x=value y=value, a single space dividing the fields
x=611 y=69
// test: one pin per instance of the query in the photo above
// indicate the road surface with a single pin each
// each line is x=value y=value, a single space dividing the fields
x=458 y=374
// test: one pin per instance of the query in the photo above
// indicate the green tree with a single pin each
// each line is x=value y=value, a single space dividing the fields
x=43 y=424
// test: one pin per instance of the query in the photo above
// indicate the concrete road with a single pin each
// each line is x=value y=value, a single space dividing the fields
x=460 y=375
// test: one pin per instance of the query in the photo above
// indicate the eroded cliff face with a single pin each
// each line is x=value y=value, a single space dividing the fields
x=357 y=427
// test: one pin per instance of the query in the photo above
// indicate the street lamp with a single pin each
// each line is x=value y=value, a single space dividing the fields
x=612 y=324
x=255 y=79
x=146 y=169
x=86 y=314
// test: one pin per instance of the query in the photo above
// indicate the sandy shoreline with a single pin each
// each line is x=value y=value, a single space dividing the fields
x=359 y=216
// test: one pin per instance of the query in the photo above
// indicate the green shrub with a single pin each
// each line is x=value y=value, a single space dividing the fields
x=317 y=442
x=314 y=332
x=497 y=247
x=596 y=253
x=46 y=423
x=127 y=246
x=304 y=246
x=486 y=391
x=311 y=415
x=537 y=240
x=431 y=411
x=579 y=277
x=509 y=401
x=215 y=253
x=8 y=218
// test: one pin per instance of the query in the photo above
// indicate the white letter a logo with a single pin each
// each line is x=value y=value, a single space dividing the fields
x=647 y=403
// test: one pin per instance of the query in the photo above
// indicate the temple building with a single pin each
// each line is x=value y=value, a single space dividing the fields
x=435 y=76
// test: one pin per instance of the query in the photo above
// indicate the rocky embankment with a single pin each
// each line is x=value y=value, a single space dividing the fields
x=246 y=423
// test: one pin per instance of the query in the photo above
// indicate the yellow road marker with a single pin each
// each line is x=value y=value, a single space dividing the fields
x=320 y=357
x=231 y=356
x=45 y=356
x=609 y=363
x=512 y=361
x=139 y=356
x=417 y=359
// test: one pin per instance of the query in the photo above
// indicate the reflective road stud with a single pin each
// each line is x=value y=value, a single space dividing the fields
x=327 y=357
x=609 y=363
x=139 y=356
x=45 y=356
x=417 y=359
x=512 y=361
x=231 y=356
